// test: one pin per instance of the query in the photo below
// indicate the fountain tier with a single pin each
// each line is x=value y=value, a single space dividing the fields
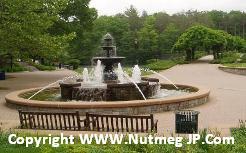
x=109 y=58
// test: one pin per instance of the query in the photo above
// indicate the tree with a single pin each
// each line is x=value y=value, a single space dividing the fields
x=148 y=40
x=215 y=41
x=168 y=38
x=162 y=21
x=133 y=19
x=191 y=40
x=200 y=37
x=77 y=18
x=24 y=26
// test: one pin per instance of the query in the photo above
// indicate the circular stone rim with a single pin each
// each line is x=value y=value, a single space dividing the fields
x=14 y=98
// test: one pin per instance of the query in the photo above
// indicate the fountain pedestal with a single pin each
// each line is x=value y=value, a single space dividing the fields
x=67 y=90
x=109 y=59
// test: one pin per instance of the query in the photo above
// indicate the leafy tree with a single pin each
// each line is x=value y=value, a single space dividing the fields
x=148 y=40
x=24 y=26
x=191 y=40
x=162 y=21
x=200 y=37
x=77 y=18
x=215 y=41
x=133 y=18
x=168 y=38
x=239 y=43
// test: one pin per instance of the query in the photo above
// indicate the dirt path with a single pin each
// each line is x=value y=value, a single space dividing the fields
x=227 y=103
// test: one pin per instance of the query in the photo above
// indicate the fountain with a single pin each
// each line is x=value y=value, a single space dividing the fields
x=108 y=84
x=109 y=58
x=108 y=89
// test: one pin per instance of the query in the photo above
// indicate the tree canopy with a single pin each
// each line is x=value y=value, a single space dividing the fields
x=203 y=38
x=63 y=30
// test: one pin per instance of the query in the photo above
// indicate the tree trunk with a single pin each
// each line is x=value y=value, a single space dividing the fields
x=192 y=54
x=215 y=55
x=11 y=62
x=188 y=55
x=218 y=54
x=42 y=61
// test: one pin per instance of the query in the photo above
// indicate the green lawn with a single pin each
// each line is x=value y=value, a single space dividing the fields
x=239 y=147
x=241 y=65
x=160 y=65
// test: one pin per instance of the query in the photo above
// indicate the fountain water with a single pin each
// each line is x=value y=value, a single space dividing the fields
x=136 y=74
x=120 y=74
x=162 y=76
x=52 y=84
x=86 y=77
x=98 y=73
x=133 y=81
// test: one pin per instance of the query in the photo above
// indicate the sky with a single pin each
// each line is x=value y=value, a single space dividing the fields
x=112 y=7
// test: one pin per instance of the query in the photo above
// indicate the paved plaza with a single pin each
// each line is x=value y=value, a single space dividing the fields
x=227 y=102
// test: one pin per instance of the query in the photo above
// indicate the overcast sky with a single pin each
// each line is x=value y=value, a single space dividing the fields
x=112 y=7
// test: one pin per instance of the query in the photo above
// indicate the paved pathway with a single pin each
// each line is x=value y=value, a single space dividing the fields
x=227 y=103
x=17 y=81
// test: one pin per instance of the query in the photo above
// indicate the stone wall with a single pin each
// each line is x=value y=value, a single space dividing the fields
x=125 y=111
x=118 y=107
x=240 y=71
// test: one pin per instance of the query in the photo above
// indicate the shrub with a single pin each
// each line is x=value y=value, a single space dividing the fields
x=74 y=62
x=43 y=67
x=199 y=54
x=243 y=58
x=179 y=59
x=229 y=57
x=16 y=68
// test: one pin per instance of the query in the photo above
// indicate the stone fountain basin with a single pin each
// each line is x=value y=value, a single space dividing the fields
x=198 y=97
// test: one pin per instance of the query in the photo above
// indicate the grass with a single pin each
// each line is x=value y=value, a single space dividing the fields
x=232 y=59
x=160 y=65
x=234 y=65
x=238 y=133
x=46 y=95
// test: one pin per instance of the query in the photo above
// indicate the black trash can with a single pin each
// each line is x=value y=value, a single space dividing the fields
x=2 y=75
x=186 y=121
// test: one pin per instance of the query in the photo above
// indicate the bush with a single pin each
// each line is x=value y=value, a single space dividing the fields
x=179 y=59
x=200 y=54
x=43 y=67
x=243 y=58
x=161 y=65
x=74 y=62
x=16 y=68
x=229 y=57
